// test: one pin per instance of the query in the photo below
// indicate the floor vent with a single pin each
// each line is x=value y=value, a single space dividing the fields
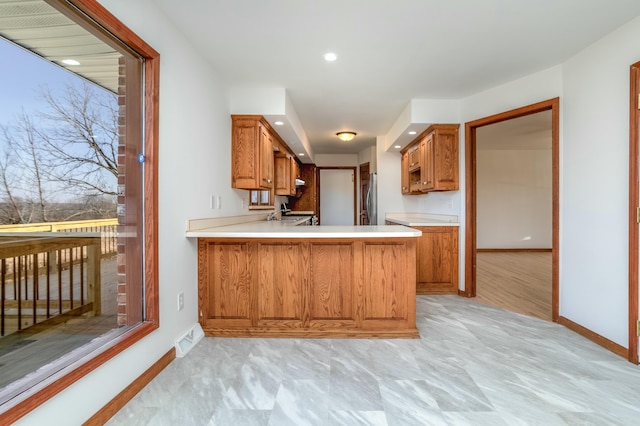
x=188 y=340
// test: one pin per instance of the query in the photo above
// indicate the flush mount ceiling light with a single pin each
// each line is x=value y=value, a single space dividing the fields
x=346 y=136
x=330 y=57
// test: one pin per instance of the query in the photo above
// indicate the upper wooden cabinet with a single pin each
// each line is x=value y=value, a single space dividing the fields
x=415 y=157
x=306 y=196
x=287 y=171
x=295 y=174
x=430 y=162
x=251 y=153
x=260 y=159
x=405 y=173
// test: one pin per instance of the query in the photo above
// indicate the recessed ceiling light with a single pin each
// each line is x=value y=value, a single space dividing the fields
x=278 y=123
x=413 y=132
x=397 y=147
x=301 y=154
x=70 y=62
x=330 y=57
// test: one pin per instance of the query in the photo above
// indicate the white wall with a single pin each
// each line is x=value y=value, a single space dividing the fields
x=543 y=85
x=336 y=160
x=194 y=156
x=514 y=197
x=390 y=198
x=368 y=155
x=594 y=202
x=594 y=99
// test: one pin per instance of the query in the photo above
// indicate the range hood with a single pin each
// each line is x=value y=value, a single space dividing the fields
x=299 y=182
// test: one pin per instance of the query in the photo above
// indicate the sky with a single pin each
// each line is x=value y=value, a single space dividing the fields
x=21 y=75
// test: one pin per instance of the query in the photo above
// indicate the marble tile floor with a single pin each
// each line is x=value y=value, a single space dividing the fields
x=473 y=365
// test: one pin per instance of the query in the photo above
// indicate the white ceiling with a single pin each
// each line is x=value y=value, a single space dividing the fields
x=388 y=51
x=41 y=29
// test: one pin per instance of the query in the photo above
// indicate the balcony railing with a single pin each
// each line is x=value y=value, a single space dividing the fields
x=106 y=227
x=50 y=271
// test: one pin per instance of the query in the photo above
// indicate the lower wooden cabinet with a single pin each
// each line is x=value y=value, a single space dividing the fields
x=437 y=260
x=307 y=288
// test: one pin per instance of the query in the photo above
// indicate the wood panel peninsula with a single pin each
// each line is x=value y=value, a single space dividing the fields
x=274 y=279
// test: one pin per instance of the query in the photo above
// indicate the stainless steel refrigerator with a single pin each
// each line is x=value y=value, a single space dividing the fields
x=372 y=199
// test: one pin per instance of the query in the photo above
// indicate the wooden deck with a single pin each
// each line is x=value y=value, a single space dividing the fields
x=28 y=350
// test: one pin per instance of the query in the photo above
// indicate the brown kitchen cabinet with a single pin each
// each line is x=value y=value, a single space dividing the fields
x=405 y=173
x=295 y=174
x=307 y=287
x=285 y=174
x=287 y=171
x=431 y=162
x=437 y=260
x=415 y=158
x=252 y=161
x=307 y=195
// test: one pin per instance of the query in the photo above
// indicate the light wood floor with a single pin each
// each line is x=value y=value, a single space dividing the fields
x=516 y=281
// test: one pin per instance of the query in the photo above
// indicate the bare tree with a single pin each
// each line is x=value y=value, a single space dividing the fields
x=68 y=156
x=11 y=206
x=24 y=173
x=80 y=137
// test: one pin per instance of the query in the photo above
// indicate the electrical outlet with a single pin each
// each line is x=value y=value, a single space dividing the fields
x=180 y=301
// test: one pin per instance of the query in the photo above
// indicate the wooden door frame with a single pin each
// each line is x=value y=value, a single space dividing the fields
x=355 y=189
x=360 y=210
x=470 y=178
x=634 y=202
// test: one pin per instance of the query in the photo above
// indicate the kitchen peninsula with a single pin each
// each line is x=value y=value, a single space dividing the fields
x=275 y=279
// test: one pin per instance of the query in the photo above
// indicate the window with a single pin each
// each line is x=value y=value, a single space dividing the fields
x=261 y=199
x=136 y=82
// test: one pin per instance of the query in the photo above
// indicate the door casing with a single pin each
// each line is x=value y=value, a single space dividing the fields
x=470 y=202
x=634 y=203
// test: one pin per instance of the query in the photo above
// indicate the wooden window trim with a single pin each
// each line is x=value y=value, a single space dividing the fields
x=37 y=395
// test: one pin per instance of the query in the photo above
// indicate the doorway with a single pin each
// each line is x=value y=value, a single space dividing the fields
x=513 y=214
x=471 y=237
x=337 y=195
x=364 y=190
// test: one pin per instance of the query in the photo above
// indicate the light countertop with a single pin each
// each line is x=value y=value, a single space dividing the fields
x=287 y=229
x=422 y=219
